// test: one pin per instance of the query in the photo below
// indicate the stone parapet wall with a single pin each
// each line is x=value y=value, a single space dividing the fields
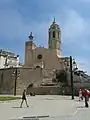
x=36 y=76
x=81 y=85
x=28 y=76
x=78 y=81
x=47 y=90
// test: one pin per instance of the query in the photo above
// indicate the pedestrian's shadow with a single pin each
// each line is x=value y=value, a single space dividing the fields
x=80 y=107
x=79 y=101
x=16 y=107
x=20 y=107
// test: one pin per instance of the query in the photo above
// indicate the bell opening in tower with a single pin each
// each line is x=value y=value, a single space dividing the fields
x=53 y=34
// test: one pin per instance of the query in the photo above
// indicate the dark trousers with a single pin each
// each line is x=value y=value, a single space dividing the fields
x=86 y=102
x=24 y=99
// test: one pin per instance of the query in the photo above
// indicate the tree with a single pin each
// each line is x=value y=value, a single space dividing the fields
x=61 y=76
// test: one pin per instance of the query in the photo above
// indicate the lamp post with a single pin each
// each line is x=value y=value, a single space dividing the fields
x=71 y=77
x=16 y=74
x=73 y=68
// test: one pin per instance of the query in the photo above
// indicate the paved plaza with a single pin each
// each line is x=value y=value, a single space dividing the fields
x=47 y=107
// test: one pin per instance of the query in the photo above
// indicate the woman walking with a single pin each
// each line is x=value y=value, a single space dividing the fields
x=24 y=99
x=80 y=95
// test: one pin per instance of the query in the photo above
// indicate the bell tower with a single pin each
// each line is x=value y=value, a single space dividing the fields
x=54 y=37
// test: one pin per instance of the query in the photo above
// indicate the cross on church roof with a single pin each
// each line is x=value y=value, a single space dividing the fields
x=54 y=20
x=30 y=36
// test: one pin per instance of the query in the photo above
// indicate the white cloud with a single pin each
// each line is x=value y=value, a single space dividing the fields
x=74 y=27
x=86 y=46
x=83 y=64
x=75 y=32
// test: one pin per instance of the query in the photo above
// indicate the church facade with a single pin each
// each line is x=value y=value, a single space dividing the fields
x=48 y=58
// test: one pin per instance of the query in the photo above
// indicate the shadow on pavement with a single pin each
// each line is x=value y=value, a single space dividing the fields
x=80 y=107
x=79 y=101
x=16 y=107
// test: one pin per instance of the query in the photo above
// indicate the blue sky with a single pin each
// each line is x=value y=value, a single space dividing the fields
x=19 y=17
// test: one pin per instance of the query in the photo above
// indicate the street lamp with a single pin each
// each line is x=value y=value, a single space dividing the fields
x=71 y=77
x=73 y=68
x=16 y=74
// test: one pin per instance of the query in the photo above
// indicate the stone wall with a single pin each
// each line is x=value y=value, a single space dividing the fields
x=6 y=81
x=36 y=76
x=78 y=81
x=49 y=90
x=28 y=76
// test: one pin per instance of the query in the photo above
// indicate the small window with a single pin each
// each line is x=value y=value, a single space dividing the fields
x=53 y=34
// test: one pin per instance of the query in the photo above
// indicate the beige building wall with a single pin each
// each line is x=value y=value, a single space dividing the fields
x=49 y=58
x=29 y=47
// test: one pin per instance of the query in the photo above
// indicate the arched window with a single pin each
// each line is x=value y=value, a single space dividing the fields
x=53 y=34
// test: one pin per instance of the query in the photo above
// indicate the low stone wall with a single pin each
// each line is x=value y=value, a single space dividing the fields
x=78 y=81
x=6 y=81
x=29 y=75
x=26 y=77
x=82 y=85
x=44 y=90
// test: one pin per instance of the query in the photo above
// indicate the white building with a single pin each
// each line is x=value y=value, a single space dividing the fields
x=8 y=59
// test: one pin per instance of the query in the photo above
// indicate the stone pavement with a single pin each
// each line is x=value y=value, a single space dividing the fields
x=50 y=107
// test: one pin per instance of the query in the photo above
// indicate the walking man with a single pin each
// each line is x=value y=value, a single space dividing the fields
x=24 y=99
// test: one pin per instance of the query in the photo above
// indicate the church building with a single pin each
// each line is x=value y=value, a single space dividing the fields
x=48 y=58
